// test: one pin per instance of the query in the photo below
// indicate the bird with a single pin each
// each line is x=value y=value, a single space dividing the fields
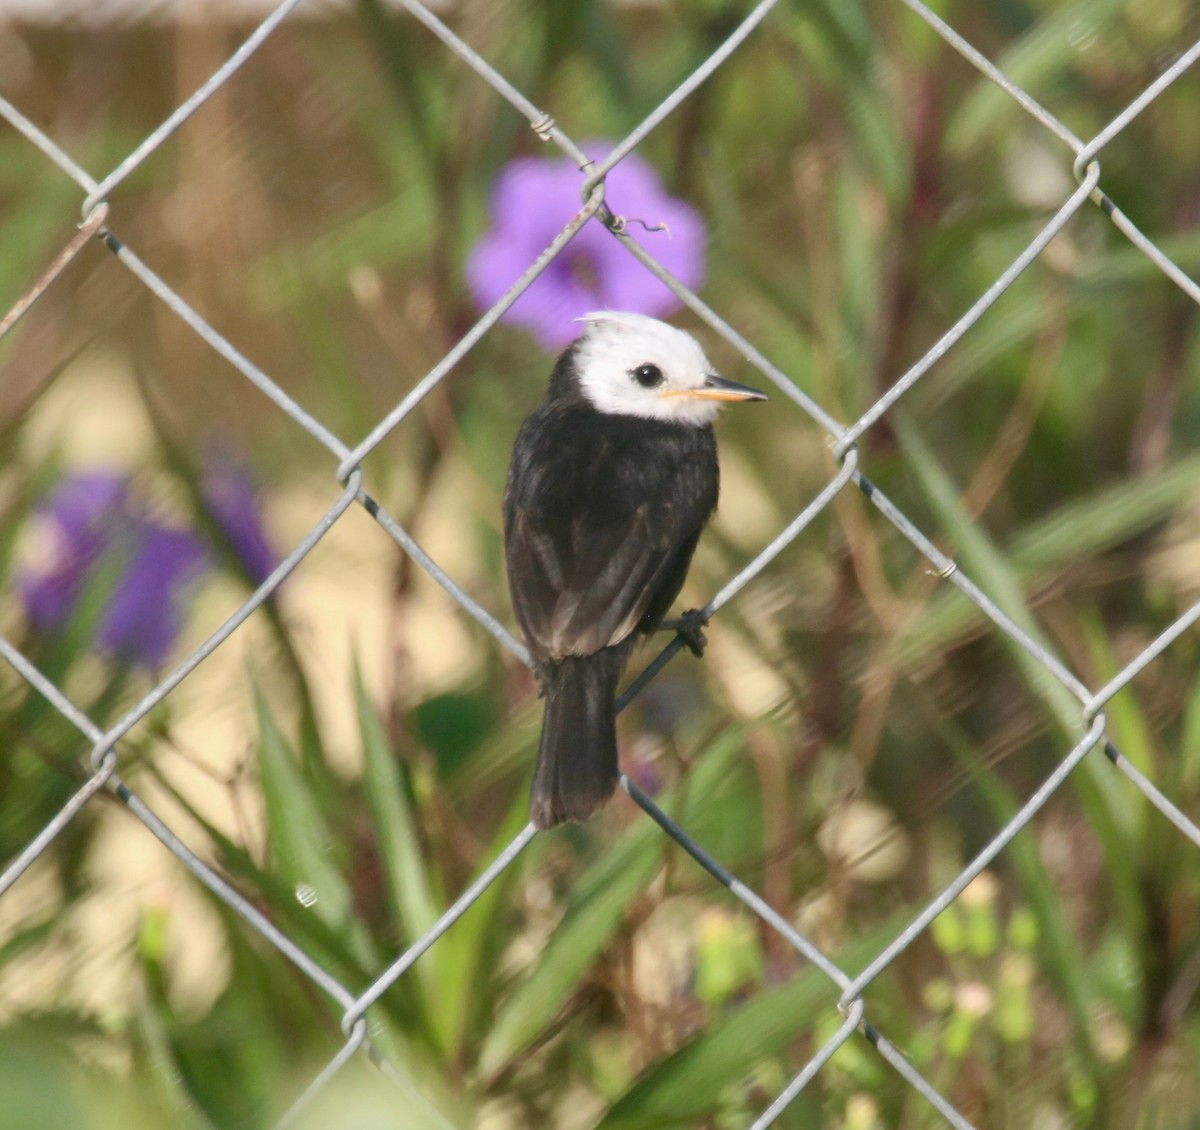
x=612 y=478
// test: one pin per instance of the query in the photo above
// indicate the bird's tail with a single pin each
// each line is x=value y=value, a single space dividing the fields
x=577 y=759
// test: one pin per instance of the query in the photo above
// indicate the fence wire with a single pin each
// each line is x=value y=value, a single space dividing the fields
x=347 y=488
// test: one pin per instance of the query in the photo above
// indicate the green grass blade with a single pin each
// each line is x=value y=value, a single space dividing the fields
x=1046 y=52
x=1106 y=518
x=414 y=889
x=1073 y=533
x=297 y=828
x=469 y=951
x=992 y=571
x=593 y=916
x=686 y=1087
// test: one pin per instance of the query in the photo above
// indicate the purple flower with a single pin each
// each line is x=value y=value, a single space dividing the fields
x=79 y=515
x=151 y=568
x=145 y=611
x=533 y=199
x=234 y=506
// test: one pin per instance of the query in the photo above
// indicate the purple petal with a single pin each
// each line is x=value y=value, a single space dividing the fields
x=556 y=297
x=146 y=608
x=82 y=505
x=84 y=513
x=234 y=506
x=632 y=186
x=627 y=285
x=534 y=198
x=49 y=597
x=494 y=264
x=94 y=529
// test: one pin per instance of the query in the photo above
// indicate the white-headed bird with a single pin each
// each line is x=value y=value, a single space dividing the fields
x=613 y=477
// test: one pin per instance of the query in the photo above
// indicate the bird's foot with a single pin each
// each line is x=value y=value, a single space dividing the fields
x=690 y=628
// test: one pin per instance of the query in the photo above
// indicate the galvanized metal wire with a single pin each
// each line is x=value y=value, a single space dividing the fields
x=103 y=759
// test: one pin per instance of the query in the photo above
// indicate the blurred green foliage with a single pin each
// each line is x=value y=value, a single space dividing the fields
x=862 y=186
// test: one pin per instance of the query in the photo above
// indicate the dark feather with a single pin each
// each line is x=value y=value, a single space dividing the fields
x=601 y=516
x=577 y=756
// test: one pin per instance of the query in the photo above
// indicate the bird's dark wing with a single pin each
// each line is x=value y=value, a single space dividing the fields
x=578 y=586
x=601 y=515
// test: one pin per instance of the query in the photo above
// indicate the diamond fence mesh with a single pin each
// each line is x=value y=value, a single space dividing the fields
x=345 y=467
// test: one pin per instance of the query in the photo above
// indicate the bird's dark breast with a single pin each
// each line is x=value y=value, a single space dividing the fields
x=583 y=462
x=602 y=514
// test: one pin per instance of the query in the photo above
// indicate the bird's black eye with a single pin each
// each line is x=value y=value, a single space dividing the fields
x=648 y=376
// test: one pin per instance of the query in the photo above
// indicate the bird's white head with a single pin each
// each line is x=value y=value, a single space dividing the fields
x=632 y=365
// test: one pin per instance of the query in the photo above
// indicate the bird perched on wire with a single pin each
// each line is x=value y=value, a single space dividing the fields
x=613 y=477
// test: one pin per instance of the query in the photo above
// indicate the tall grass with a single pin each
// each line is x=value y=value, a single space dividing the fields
x=857 y=730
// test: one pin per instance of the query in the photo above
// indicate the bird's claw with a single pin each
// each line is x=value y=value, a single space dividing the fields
x=690 y=628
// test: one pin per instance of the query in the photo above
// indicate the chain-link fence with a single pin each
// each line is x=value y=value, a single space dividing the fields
x=345 y=466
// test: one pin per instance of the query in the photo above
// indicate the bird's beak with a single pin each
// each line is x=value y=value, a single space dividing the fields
x=717 y=388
